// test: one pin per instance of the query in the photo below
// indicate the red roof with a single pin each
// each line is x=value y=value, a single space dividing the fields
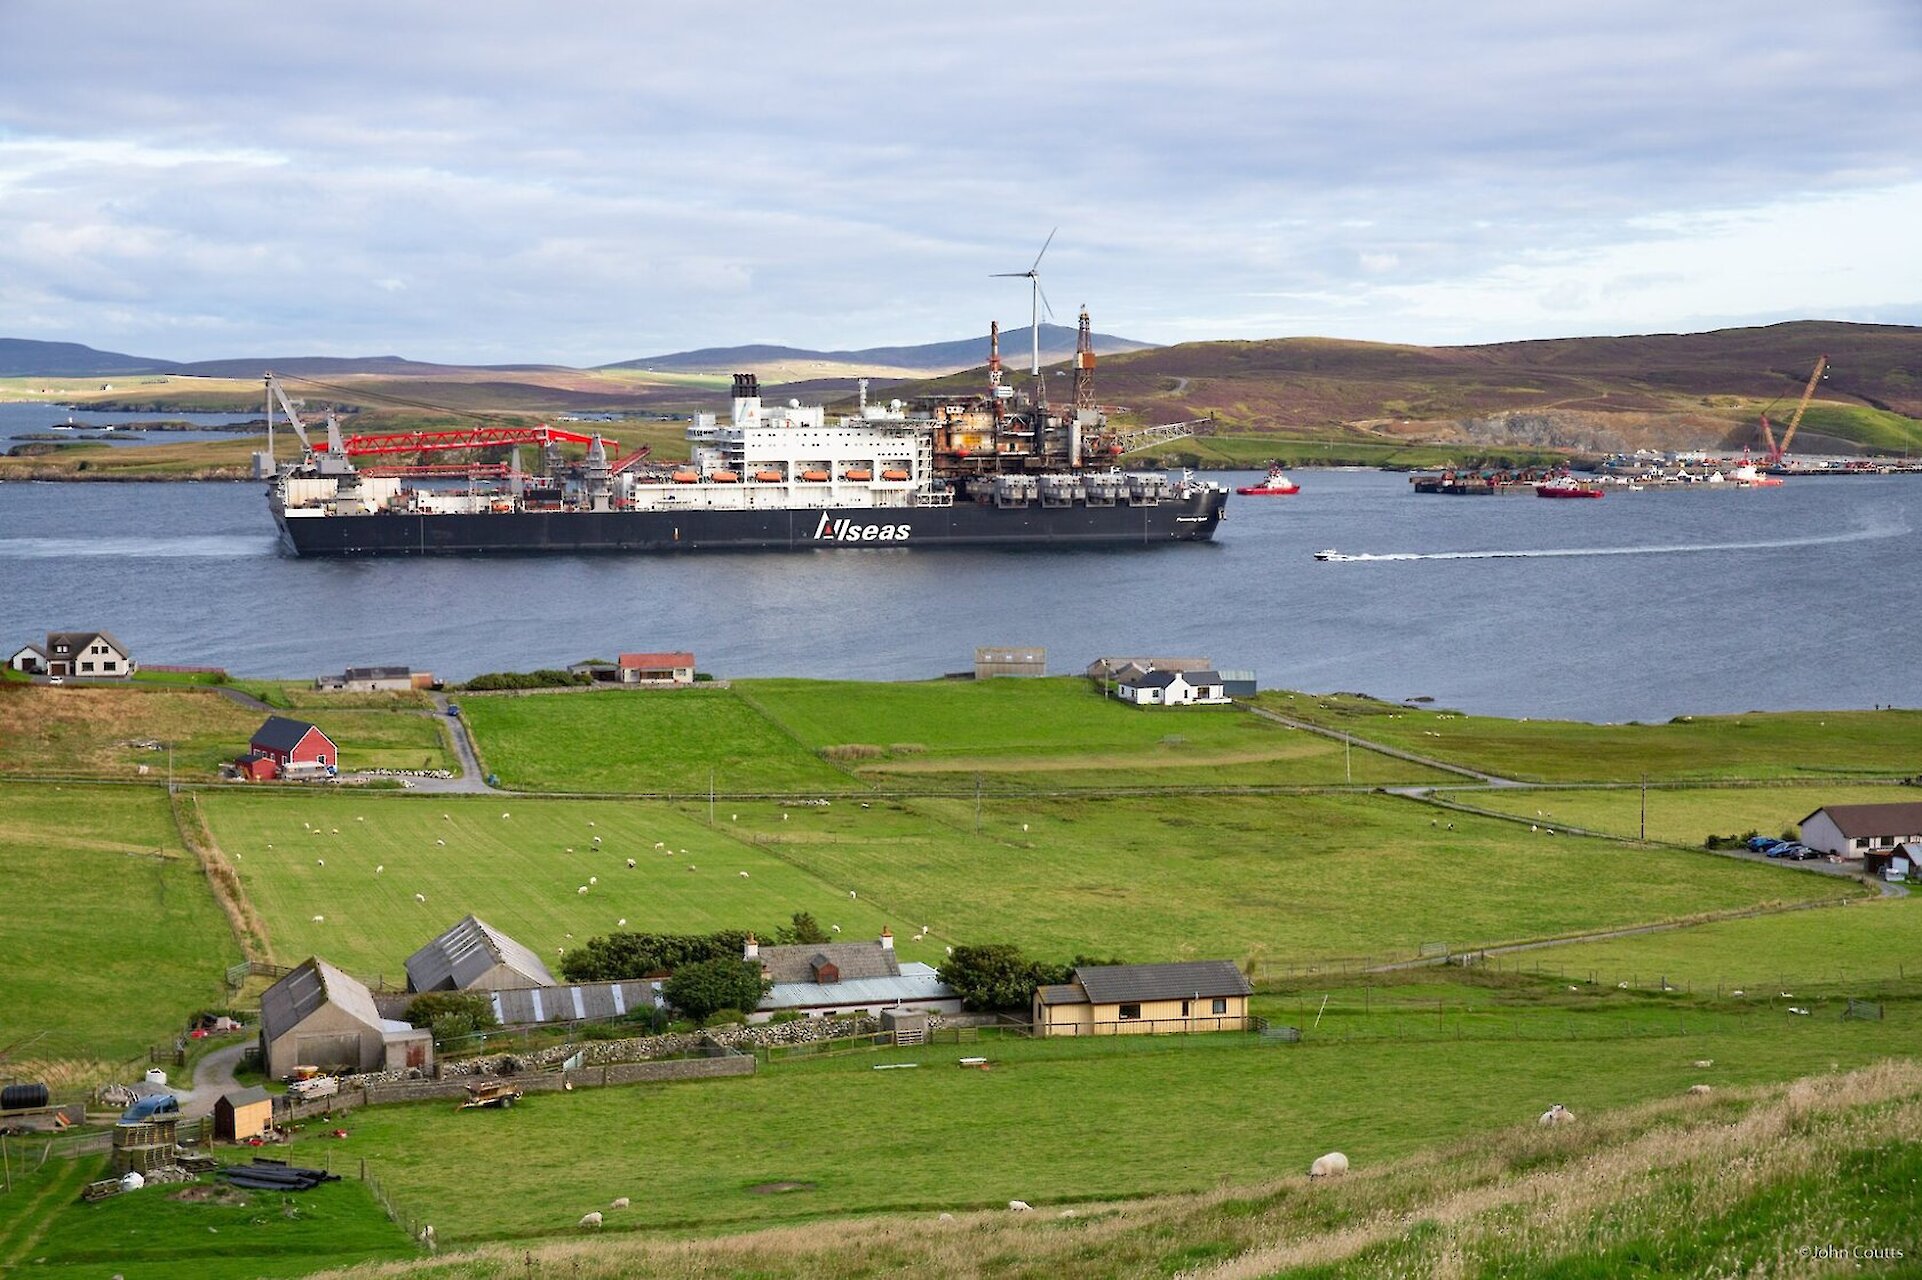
x=656 y=661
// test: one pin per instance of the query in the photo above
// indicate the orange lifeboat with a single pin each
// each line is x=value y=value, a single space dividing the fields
x=686 y=477
x=857 y=473
x=893 y=473
x=815 y=477
x=726 y=477
x=768 y=477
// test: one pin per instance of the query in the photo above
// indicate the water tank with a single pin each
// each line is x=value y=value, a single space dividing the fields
x=156 y=1076
x=19 y=1097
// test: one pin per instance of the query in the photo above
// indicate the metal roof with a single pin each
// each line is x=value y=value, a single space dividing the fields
x=1114 y=983
x=282 y=734
x=914 y=982
x=854 y=960
x=576 y=1003
x=314 y=983
x=1858 y=820
x=378 y=673
x=463 y=954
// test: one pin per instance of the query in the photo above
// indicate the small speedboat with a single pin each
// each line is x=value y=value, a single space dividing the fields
x=1277 y=485
x=1328 y=554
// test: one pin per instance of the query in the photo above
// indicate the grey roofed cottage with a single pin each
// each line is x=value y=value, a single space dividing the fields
x=819 y=978
x=1112 y=983
x=471 y=955
x=1145 y=999
x=853 y=960
x=319 y=1016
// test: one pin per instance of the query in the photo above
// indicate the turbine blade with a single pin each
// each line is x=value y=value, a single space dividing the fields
x=1009 y=275
x=1046 y=305
x=1044 y=250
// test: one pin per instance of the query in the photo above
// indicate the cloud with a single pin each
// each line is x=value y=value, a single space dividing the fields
x=213 y=178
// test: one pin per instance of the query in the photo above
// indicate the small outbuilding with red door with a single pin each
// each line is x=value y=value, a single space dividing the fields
x=292 y=744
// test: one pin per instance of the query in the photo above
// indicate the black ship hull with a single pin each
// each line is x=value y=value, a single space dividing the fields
x=1193 y=518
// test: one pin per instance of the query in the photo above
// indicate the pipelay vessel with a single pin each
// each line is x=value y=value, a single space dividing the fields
x=982 y=470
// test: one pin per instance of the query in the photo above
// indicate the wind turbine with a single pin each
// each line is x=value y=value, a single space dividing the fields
x=1037 y=298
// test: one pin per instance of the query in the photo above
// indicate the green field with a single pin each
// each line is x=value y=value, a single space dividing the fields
x=1681 y=816
x=840 y=736
x=114 y=937
x=650 y=741
x=103 y=731
x=1774 y=745
x=156 y=1234
x=1050 y=1122
x=1866 y=944
x=515 y=873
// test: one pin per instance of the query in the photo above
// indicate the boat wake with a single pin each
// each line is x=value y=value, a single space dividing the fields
x=1687 y=548
x=211 y=547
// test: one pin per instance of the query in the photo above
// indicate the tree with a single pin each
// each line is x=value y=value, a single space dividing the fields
x=619 y=957
x=430 y=1006
x=803 y=928
x=998 y=976
x=700 y=989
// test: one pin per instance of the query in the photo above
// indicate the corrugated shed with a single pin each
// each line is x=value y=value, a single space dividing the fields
x=464 y=954
x=314 y=983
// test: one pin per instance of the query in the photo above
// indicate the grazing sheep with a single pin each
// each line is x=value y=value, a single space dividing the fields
x=947 y=1217
x=834 y=928
x=620 y=1203
x=1024 y=826
x=441 y=843
x=1700 y=1090
x=593 y=879
x=447 y=817
x=336 y=830
x=582 y=889
x=360 y=819
x=569 y=849
x=659 y=844
x=630 y=864
x=1703 y=1064
x=320 y=919
x=692 y=867
x=597 y=839
x=420 y=897
x=1738 y=994
x=1800 y=1013
x=591 y=1219
x=590 y=822
x=621 y=923
x=850 y=893
x=1332 y=1165
x=1557 y=1114
x=503 y=816
x=320 y=862
x=744 y=875
x=382 y=867
x=1020 y=1206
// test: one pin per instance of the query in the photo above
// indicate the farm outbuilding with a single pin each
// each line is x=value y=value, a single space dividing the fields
x=388 y=679
x=472 y=955
x=318 y=1016
x=243 y=1114
x=1145 y=999
x=294 y=743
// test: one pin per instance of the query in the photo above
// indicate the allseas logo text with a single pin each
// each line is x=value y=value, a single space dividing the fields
x=845 y=530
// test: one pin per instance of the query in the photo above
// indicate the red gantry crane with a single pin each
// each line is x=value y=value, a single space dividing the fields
x=1775 y=449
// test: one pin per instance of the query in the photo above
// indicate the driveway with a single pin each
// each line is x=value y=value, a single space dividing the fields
x=213 y=1076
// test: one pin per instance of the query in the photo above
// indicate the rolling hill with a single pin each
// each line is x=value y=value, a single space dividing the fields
x=1057 y=343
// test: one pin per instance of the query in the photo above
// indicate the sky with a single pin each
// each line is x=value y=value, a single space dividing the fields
x=489 y=182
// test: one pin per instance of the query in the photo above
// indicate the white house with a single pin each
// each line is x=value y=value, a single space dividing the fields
x=93 y=655
x=31 y=659
x=1173 y=689
x=1852 y=830
x=820 y=979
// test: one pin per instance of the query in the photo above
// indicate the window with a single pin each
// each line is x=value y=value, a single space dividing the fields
x=1130 y=1011
x=1221 y=1004
x=107 y=666
x=86 y=666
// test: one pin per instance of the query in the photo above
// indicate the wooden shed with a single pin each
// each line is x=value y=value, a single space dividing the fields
x=243 y=1114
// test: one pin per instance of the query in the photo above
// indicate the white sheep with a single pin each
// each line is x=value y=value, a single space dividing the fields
x=597 y=839
x=835 y=928
x=320 y=919
x=692 y=867
x=658 y=844
x=947 y=1217
x=593 y=879
x=1700 y=1090
x=582 y=889
x=631 y=864
x=744 y=875
x=441 y=843
x=503 y=817
x=447 y=817
x=591 y=1219
x=320 y=862
x=1557 y=1114
x=1332 y=1165
x=1020 y=1206
x=850 y=893
x=382 y=867
x=1738 y=993
x=1703 y=1064
x=1800 y=1013
x=420 y=897
x=590 y=822
x=620 y=1203
x=569 y=849
x=360 y=819
x=621 y=923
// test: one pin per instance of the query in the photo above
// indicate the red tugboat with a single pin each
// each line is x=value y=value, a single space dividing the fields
x=1277 y=485
x=1566 y=487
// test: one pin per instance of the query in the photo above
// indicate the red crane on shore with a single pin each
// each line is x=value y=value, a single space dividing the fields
x=1775 y=450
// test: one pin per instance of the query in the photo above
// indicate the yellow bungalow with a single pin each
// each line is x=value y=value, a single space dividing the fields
x=1145 y=999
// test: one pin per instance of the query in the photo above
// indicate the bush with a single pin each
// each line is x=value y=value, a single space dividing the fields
x=427 y=1009
x=450 y=1028
x=620 y=957
x=545 y=678
x=998 y=976
x=724 y=1018
x=786 y=1015
x=698 y=990
x=802 y=928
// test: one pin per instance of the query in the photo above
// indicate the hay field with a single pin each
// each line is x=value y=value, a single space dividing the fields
x=1685 y=816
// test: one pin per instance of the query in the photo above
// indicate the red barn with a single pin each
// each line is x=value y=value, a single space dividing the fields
x=294 y=742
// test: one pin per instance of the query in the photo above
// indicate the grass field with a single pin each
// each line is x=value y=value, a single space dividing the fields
x=634 y=741
x=1050 y=1122
x=1782 y=745
x=155 y=1234
x=763 y=735
x=515 y=873
x=111 y=934
x=1286 y=879
x=1865 y=943
x=87 y=730
x=1683 y=816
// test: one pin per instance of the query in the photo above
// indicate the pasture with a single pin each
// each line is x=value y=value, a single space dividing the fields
x=1052 y=1122
x=1683 y=816
x=102 y=731
x=112 y=936
x=357 y=862
x=1282 y=878
x=1783 y=745
x=1286 y=879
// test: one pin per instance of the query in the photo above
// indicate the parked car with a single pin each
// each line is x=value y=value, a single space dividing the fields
x=1760 y=843
x=1792 y=850
x=56 y=679
x=154 y=1104
x=453 y=709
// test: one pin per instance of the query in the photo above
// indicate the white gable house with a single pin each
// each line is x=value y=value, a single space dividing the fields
x=1173 y=689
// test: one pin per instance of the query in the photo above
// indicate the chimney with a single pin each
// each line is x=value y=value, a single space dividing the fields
x=752 y=951
x=887 y=938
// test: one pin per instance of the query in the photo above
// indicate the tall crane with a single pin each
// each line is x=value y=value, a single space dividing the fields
x=1775 y=450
